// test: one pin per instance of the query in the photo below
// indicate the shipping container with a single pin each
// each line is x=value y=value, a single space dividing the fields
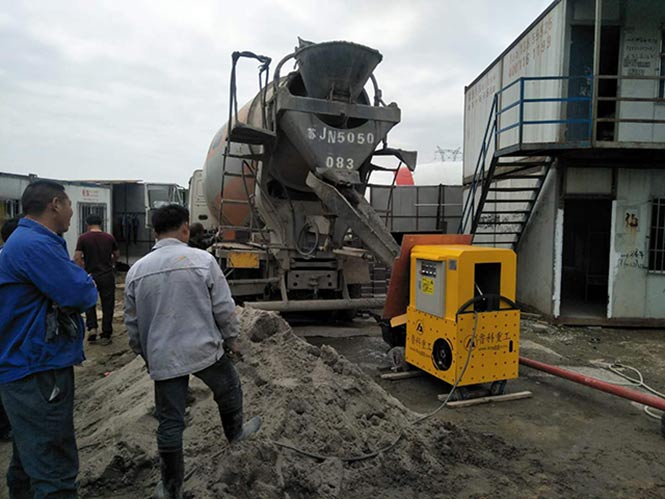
x=563 y=161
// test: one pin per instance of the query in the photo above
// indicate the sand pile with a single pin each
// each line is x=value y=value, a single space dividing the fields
x=308 y=397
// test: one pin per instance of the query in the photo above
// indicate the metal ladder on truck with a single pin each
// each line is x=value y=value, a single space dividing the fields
x=240 y=137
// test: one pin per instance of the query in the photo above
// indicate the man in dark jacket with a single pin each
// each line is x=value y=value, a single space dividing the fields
x=42 y=294
x=97 y=251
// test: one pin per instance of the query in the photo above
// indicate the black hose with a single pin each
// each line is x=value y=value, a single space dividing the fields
x=484 y=298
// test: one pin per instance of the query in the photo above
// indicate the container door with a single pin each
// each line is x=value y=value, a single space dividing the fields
x=586 y=255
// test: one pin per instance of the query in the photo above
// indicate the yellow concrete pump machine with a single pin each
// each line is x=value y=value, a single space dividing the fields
x=456 y=290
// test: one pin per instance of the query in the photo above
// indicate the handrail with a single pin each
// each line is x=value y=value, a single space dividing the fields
x=469 y=204
x=493 y=132
x=522 y=101
x=499 y=123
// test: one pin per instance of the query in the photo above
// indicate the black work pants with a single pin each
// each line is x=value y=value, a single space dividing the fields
x=171 y=399
x=106 y=289
x=44 y=460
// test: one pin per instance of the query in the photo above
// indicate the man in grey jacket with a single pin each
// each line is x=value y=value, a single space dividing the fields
x=180 y=318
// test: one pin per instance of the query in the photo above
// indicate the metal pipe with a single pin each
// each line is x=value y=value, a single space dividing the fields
x=314 y=305
x=619 y=391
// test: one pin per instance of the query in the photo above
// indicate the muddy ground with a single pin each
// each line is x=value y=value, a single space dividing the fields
x=566 y=441
x=591 y=443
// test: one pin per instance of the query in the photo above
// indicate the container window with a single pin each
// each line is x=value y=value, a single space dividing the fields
x=86 y=209
x=159 y=195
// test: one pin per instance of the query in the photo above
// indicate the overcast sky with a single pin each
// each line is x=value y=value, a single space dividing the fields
x=118 y=89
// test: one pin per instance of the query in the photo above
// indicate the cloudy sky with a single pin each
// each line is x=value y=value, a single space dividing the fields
x=119 y=89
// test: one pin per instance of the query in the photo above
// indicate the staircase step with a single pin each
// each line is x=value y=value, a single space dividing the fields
x=509 y=201
x=248 y=157
x=514 y=170
x=506 y=233
x=248 y=134
x=512 y=189
x=503 y=222
x=508 y=176
x=523 y=163
x=511 y=212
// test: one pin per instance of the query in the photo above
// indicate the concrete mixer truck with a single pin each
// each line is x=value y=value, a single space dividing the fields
x=284 y=181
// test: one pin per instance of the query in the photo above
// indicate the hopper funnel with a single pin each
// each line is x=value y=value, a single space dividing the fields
x=336 y=70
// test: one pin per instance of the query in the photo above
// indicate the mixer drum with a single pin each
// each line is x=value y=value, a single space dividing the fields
x=324 y=124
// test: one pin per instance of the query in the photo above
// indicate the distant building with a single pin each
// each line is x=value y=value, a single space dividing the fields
x=87 y=198
x=564 y=142
x=125 y=207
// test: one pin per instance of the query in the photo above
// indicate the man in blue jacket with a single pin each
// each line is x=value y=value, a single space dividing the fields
x=42 y=294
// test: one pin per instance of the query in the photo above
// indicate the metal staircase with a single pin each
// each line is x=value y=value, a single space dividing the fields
x=508 y=200
x=503 y=191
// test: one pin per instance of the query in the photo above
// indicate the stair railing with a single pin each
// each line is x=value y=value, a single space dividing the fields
x=469 y=210
x=482 y=176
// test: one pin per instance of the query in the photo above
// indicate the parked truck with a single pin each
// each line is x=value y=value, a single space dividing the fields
x=285 y=177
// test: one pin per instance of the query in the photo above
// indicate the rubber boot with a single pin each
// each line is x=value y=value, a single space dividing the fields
x=248 y=429
x=173 y=474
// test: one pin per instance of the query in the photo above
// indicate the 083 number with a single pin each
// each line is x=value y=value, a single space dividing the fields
x=339 y=162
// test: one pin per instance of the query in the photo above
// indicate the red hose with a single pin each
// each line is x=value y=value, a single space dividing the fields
x=620 y=391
